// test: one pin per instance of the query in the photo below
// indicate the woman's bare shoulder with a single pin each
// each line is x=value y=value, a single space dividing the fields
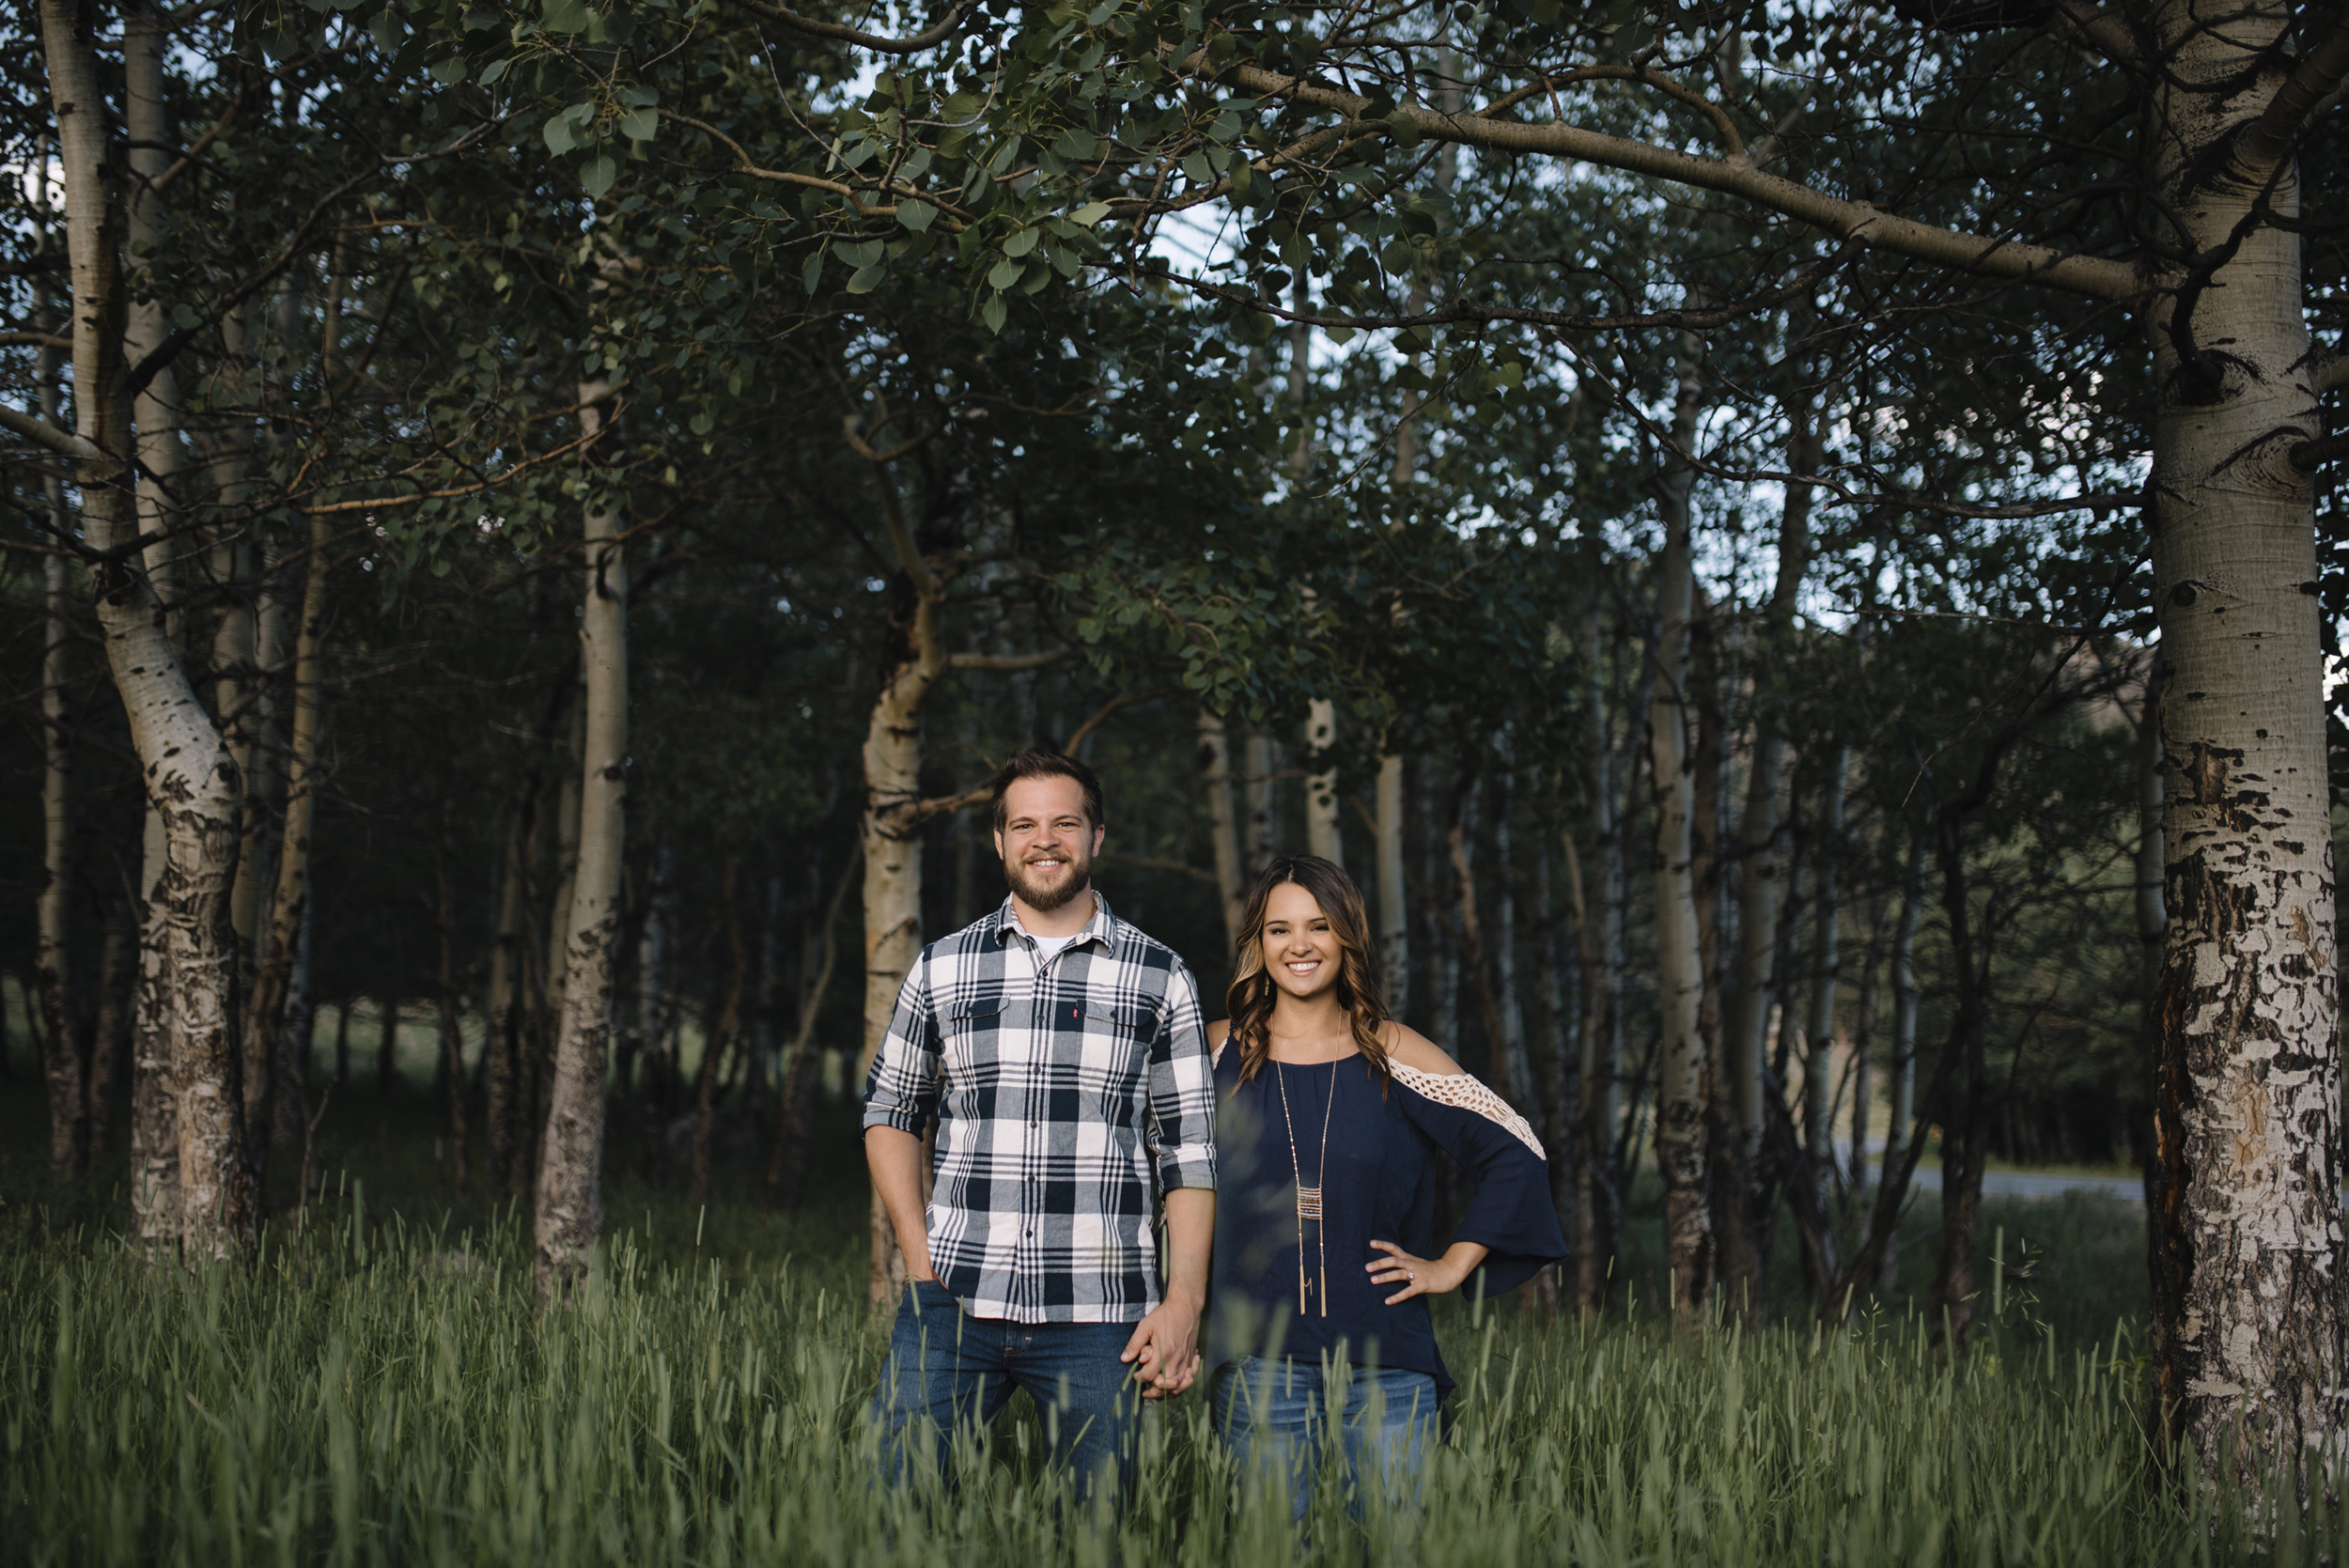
x=1415 y=1050
x=1218 y=1032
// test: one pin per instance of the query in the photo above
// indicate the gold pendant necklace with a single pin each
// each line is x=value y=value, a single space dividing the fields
x=1309 y=1198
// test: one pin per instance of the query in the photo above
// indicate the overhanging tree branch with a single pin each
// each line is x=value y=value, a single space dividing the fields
x=928 y=37
x=48 y=434
x=2318 y=73
x=2097 y=277
x=1007 y=661
x=939 y=805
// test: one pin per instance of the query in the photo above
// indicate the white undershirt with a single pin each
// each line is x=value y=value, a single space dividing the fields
x=1047 y=947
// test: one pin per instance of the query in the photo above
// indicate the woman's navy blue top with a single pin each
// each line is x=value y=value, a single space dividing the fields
x=1380 y=1185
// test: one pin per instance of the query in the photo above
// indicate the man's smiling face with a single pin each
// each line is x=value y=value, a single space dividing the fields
x=1046 y=841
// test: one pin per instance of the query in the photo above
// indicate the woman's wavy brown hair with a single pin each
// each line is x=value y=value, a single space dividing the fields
x=1248 y=1002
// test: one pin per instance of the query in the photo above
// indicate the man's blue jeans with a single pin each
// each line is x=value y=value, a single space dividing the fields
x=1274 y=1415
x=947 y=1367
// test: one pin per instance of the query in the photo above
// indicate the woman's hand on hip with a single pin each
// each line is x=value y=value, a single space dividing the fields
x=1416 y=1275
x=1424 y=1276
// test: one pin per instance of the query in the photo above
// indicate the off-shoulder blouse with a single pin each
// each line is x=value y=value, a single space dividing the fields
x=1379 y=1185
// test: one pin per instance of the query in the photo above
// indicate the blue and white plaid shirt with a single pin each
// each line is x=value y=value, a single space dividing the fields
x=1056 y=1094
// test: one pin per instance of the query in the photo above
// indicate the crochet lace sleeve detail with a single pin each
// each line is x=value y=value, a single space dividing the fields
x=1463 y=1092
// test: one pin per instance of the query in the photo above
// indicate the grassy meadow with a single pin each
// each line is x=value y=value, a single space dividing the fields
x=378 y=1389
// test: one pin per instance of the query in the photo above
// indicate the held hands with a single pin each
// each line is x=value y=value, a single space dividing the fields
x=1164 y=1349
x=1421 y=1276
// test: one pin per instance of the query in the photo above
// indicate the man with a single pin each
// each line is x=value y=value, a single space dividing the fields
x=1065 y=1057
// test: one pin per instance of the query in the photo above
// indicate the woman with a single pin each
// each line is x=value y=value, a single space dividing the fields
x=1329 y=1119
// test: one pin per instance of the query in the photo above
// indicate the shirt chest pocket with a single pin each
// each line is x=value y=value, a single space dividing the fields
x=974 y=1036
x=1105 y=1047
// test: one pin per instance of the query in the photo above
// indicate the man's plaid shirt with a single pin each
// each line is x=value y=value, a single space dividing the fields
x=1055 y=1094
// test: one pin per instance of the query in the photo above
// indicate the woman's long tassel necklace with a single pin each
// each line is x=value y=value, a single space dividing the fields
x=1309 y=1198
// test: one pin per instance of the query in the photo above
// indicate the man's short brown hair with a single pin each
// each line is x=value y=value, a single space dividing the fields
x=1030 y=763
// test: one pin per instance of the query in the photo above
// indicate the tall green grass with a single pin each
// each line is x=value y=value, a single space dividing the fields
x=375 y=1394
x=378 y=1388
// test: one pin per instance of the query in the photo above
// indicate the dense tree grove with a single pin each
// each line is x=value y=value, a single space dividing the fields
x=1787 y=546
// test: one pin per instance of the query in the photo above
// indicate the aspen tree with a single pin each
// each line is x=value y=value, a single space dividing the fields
x=1215 y=767
x=52 y=962
x=892 y=818
x=1322 y=837
x=1597 y=1184
x=569 y=1215
x=1680 y=1131
x=188 y=774
x=1259 y=824
x=268 y=1038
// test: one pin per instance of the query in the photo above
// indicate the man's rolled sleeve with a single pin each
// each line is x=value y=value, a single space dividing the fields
x=901 y=1090
x=1182 y=1091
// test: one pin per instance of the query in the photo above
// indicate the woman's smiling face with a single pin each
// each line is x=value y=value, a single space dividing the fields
x=1301 y=952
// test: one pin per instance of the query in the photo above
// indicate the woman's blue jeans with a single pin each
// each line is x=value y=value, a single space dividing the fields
x=947 y=1367
x=1275 y=1416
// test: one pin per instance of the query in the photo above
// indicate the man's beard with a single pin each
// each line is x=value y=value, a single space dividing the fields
x=1044 y=899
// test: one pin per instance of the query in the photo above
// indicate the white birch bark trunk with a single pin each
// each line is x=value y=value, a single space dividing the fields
x=2152 y=913
x=1215 y=768
x=553 y=971
x=1259 y=796
x=891 y=827
x=1680 y=1130
x=267 y=1039
x=53 y=960
x=1322 y=836
x=2248 y=1080
x=186 y=772
x=154 y=1087
x=570 y=1170
x=1760 y=848
x=257 y=858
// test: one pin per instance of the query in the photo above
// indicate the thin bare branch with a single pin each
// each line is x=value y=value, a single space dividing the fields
x=926 y=38
x=1007 y=661
x=1084 y=731
x=2098 y=277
